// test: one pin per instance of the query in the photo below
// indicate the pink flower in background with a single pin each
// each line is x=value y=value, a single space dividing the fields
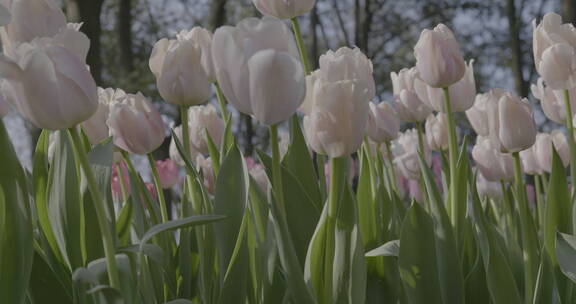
x=116 y=187
x=168 y=172
x=531 y=195
x=414 y=190
x=250 y=162
x=152 y=190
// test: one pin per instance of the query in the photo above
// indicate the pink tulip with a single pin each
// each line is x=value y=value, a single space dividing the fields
x=168 y=172
x=116 y=187
x=151 y=189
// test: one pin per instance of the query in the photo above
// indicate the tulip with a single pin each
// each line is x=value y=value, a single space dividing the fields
x=543 y=149
x=49 y=84
x=168 y=172
x=553 y=44
x=437 y=132
x=5 y=107
x=284 y=9
x=258 y=173
x=438 y=59
x=462 y=93
x=258 y=68
x=181 y=77
x=284 y=142
x=512 y=123
x=135 y=124
x=493 y=164
x=488 y=188
x=204 y=166
x=96 y=128
x=407 y=104
x=561 y=145
x=383 y=124
x=478 y=113
x=116 y=180
x=203 y=121
x=173 y=150
x=530 y=163
x=552 y=101
x=405 y=151
x=31 y=19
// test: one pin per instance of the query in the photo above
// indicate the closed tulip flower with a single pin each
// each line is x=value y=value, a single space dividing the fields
x=383 y=123
x=205 y=120
x=552 y=101
x=462 y=93
x=259 y=175
x=168 y=172
x=177 y=64
x=173 y=149
x=135 y=124
x=558 y=66
x=478 y=114
x=543 y=149
x=493 y=164
x=284 y=9
x=438 y=58
x=488 y=188
x=407 y=104
x=32 y=19
x=49 y=83
x=258 y=68
x=512 y=122
x=405 y=151
x=530 y=163
x=437 y=132
x=96 y=128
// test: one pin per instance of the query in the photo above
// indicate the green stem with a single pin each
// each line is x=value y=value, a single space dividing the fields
x=571 y=142
x=158 y=185
x=453 y=162
x=529 y=247
x=185 y=136
x=301 y=46
x=389 y=157
x=337 y=180
x=100 y=208
x=276 y=173
x=221 y=101
x=420 y=137
x=122 y=179
x=141 y=188
x=539 y=203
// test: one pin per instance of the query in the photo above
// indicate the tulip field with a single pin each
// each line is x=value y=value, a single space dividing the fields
x=354 y=200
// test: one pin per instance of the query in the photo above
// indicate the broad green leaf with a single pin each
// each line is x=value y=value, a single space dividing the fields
x=178 y=224
x=124 y=222
x=366 y=202
x=391 y=248
x=566 y=254
x=45 y=284
x=558 y=206
x=16 y=239
x=180 y=301
x=546 y=290
x=417 y=258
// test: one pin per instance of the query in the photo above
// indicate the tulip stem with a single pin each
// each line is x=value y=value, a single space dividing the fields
x=300 y=44
x=276 y=173
x=420 y=137
x=156 y=178
x=453 y=162
x=121 y=176
x=221 y=101
x=539 y=203
x=571 y=142
x=389 y=157
x=100 y=208
x=529 y=247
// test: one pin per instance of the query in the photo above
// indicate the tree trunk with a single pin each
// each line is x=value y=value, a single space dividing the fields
x=88 y=12
x=569 y=11
x=517 y=61
x=217 y=14
x=125 y=35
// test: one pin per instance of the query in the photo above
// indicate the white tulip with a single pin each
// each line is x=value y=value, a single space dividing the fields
x=438 y=58
x=407 y=104
x=135 y=124
x=488 y=188
x=543 y=149
x=437 y=132
x=258 y=68
x=383 y=123
x=5 y=107
x=558 y=66
x=478 y=114
x=178 y=66
x=530 y=163
x=96 y=128
x=204 y=166
x=552 y=101
x=462 y=93
x=284 y=9
x=513 y=123
x=492 y=163
x=173 y=150
x=259 y=175
x=204 y=120
x=405 y=151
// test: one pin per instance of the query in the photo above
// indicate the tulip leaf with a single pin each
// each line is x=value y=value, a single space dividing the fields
x=417 y=258
x=179 y=224
x=124 y=222
x=45 y=284
x=558 y=206
x=366 y=202
x=391 y=248
x=546 y=290
x=566 y=254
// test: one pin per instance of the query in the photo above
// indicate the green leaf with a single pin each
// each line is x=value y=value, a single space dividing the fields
x=366 y=202
x=566 y=254
x=545 y=290
x=417 y=258
x=45 y=284
x=124 y=222
x=391 y=248
x=179 y=224
x=558 y=206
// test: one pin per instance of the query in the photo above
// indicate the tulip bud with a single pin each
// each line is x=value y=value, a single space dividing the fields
x=552 y=101
x=50 y=84
x=177 y=65
x=168 y=172
x=96 y=128
x=258 y=68
x=549 y=32
x=135 y=124
x=492 y=163
x=405 y=150
x=407 y=104
x=438 y=58
x=383 y=124
x=462 y=93
x=561 y=145
x=478 y=114
x=530 y=163
x=488 y=188
x=32 y=19
x=558 y=66
x=515 y=126
x=284 y=9
x=205 y=120
x=437 y=132
x=173 y=150
x=543 y=149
